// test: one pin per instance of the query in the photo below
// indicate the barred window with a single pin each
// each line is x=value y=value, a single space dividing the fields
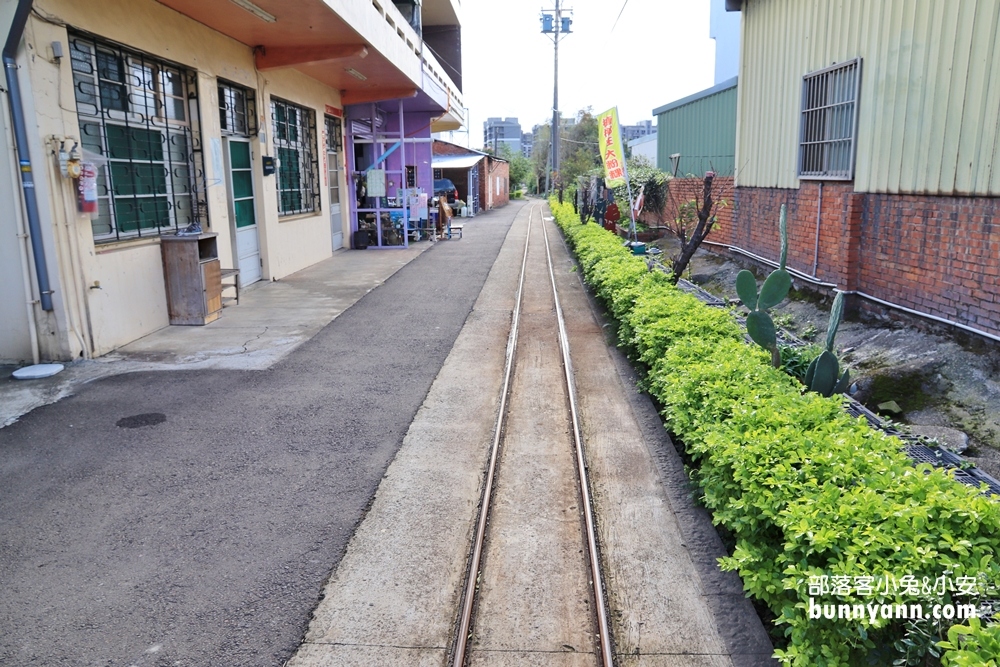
x=237 y=110
x=298 y=164
x=139 y=114
x=334 y=145
x=829 y=122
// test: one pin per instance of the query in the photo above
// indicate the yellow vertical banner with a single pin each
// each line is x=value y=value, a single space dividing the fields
x=611 y=148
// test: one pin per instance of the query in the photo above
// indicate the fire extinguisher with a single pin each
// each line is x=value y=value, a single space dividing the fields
x=86 y=186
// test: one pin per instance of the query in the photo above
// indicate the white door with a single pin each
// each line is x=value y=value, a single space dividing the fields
x=243 y=209
x=333 y=179
x=334 y=142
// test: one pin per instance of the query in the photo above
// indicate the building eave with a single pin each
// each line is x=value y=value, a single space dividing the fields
x=725 y=85
x=366 y=51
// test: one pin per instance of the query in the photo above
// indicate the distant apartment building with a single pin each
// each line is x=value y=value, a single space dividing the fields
x=497 y=131
x=541 y=133
x=641 y=129
x=527 y=143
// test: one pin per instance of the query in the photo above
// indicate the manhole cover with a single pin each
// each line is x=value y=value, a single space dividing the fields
x=138 y=421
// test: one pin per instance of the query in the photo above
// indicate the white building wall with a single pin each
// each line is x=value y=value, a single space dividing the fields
x=724 y=28
x=645 y=146
x=15 y=333
x=110 y=294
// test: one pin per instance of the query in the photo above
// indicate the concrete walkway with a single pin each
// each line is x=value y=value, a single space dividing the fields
x=271 y=320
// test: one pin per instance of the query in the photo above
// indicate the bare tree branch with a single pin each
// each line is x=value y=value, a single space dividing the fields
x=704 y=213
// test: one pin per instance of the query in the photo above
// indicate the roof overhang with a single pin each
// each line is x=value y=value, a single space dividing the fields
x=452 y=119
x=317 y=38
x=734 y=5
x=440 y=12
x=456 y=161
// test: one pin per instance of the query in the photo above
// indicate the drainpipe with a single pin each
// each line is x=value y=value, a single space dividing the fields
x=764 y=260
x=819 y=214
x=888 y=304
x=21 y=144
x=933 y=318
x=22 y=246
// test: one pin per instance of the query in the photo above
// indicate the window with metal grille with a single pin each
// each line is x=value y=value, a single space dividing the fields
x=237 y=109
x=298 y=164
x=829 y=122
x=334 y=145
x=334 y=134
x=139 y=116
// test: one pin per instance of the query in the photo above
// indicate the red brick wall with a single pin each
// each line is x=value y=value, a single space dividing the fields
x=682 y=190
x=445 y=148
x=935 y=255
x=490 y=169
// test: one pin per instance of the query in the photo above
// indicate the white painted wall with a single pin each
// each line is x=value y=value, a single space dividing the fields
x=645 y=146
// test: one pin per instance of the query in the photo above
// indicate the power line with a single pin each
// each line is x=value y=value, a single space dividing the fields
x=619 y=16
x=441 y=60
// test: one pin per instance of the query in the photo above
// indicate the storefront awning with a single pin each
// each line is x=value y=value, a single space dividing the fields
x=455 y=161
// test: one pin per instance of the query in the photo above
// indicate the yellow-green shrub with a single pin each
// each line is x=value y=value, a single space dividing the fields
x=802 y=488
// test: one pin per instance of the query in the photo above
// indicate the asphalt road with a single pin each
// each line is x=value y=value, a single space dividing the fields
x=192 y=517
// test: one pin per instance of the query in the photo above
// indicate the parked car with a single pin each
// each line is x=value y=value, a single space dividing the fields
x=443 y=187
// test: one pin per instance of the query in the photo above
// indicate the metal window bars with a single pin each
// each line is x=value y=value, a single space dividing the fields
x=828 y=131
x=334 y=134
x=237 y=109
x=139 y=116
x=295 y=143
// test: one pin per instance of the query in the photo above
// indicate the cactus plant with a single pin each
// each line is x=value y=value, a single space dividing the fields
x=823 y=375
x=760 y=326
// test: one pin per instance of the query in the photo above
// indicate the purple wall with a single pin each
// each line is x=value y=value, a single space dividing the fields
x=412 y=153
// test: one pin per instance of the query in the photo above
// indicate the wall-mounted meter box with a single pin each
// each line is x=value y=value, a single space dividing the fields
x=267 y=162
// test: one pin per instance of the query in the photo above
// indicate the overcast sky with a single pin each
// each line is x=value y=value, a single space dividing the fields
x=660 y=51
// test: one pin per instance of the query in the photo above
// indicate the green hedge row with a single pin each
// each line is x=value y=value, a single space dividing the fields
x=803 y=489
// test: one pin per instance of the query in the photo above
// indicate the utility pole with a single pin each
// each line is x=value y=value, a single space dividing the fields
x=556 y=25
x=555 y=99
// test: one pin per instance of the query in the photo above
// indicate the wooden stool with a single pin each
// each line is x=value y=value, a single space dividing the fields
x=235 y=275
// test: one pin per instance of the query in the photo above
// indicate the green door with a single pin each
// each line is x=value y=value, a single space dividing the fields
x=243 y=210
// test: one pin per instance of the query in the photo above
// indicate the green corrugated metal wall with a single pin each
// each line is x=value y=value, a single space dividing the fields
x=930 y=90
x=702 y=131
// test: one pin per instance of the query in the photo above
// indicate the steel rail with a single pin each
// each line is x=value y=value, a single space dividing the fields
x=465 y=622
x=468 y=604
x=604 y=632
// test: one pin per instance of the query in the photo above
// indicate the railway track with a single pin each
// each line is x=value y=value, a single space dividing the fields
x=534 y=592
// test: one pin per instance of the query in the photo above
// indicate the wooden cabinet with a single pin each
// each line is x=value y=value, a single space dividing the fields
x=193 y=277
